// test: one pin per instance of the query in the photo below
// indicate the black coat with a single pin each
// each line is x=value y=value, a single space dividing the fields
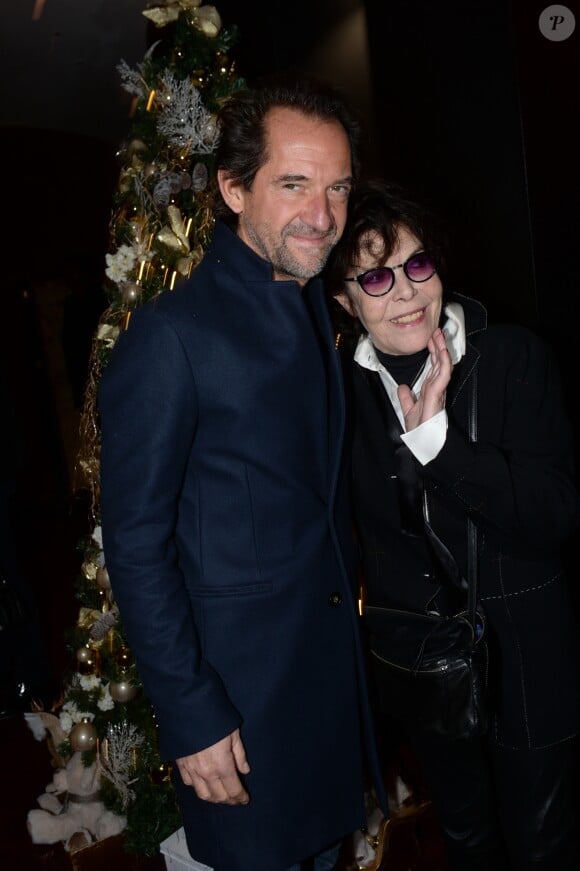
x=517 y=484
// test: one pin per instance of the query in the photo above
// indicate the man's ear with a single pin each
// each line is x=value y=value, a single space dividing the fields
x=344 y=300
x=231 y=191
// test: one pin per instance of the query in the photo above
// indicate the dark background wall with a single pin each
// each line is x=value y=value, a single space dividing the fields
x=474 y=108
x=466 y=102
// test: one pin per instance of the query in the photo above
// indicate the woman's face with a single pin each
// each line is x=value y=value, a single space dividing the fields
x=401 y=321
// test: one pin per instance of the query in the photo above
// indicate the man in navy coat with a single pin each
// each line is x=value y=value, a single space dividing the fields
x=226 y=528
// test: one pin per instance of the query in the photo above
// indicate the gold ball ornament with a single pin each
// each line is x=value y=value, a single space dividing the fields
x=83 y=736
x=122 y=690
x=131 y=292
x=84 y=653
x=88 y=660
x=102 y=578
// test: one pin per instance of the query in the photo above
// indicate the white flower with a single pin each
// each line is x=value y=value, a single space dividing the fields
x=70 y=706
x=66 y=721
x=106 y=702
x=120 y=264
x=90 y=682
x=69 y=711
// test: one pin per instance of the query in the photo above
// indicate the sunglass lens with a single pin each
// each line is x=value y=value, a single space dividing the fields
x=420 y=267
x=377 y=281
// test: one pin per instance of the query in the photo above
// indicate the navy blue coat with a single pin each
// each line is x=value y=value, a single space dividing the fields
x=228 y=544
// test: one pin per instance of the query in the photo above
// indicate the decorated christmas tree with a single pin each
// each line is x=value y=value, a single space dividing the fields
x=160 y=225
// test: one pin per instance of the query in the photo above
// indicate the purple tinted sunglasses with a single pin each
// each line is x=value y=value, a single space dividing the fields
x=377 y=282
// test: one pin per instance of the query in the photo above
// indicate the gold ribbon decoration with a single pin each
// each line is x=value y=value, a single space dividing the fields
x=89 y=570
x=207 y=19
x=173 y=236
x=164 y=13
x=185 y=264
x=204 y=18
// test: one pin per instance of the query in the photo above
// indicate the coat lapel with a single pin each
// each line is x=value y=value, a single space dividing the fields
x=336 y=410
x=462 y=373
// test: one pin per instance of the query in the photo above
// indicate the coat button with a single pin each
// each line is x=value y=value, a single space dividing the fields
x=334 y=600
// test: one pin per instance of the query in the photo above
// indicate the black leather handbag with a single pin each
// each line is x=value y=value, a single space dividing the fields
x=431 y=670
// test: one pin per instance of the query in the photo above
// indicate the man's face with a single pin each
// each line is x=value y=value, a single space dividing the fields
x=296 y=210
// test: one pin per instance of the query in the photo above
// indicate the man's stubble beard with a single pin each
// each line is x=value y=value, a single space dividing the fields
x=281 y=258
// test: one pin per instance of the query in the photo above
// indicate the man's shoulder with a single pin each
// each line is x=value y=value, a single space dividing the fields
x=183 y=297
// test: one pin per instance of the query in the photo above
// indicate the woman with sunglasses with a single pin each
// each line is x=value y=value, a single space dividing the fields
x=505 y=800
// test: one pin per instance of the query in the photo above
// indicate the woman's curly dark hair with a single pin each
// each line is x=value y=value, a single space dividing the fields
x=382 y=208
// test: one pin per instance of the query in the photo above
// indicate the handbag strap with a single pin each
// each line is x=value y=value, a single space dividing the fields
x=444 y=554
x=472 y=577
x=413 y=493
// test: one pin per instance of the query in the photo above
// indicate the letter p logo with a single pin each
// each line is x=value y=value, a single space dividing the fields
x=557 y=23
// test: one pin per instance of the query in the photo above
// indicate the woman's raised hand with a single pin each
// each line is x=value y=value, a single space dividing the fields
x=431 y=399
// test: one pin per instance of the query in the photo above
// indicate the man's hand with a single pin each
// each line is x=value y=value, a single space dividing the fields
x=432 y=396
x=213 y=772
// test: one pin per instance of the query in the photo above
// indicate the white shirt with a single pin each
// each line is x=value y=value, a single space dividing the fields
x=426 y=440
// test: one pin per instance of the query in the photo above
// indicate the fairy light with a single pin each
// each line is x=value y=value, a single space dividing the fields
x=173 y=278
x=150 y=101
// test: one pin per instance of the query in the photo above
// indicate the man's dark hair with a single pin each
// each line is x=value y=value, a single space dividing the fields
x=242 y=148
x=382 y=207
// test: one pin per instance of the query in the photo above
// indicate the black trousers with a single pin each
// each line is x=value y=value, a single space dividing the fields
x=501 y=808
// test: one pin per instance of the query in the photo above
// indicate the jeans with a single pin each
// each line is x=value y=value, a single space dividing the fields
x=325 y=861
